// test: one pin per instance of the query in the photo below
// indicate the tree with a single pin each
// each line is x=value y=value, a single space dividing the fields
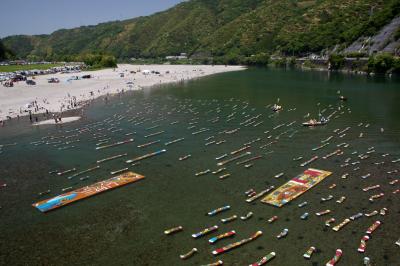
x=260 y=59
x=281 y=62
x=108 y=61
x=2 y=52
x=396 y=66
x=98 y=60
x=336 y=61
x=380 y=63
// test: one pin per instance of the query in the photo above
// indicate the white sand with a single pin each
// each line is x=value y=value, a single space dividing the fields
x=56 y=97
x=53 y=122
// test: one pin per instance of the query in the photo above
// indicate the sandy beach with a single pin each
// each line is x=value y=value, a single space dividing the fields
x=71 y=94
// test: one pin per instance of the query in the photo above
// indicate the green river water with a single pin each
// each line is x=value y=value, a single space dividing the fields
x=125 y=226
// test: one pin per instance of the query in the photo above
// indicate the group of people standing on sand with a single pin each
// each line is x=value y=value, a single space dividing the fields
x=69 y=102
x=36 y=118
x=57 y=118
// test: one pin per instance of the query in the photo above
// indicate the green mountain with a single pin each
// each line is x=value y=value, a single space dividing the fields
x=2 y=51
x=5 y=53
x=221 y=28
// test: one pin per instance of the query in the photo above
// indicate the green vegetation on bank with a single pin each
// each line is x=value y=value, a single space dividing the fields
x=2 y=51
x=5 y=53
x=383 y=63
x=97 y=61
x=261 y=59
x=12 y=68
x=229 y=31
x=336 y=61
x=92 y=62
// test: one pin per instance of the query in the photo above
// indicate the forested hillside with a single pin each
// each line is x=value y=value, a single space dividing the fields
x=220 y=28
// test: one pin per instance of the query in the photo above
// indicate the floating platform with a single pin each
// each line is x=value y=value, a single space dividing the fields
x=295 y=187
x=88 y=191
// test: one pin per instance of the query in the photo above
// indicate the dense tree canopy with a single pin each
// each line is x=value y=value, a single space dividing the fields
x=2 y=51
x=231 y=31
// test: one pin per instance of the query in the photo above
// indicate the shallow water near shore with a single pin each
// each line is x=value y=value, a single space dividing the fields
x=125 y=226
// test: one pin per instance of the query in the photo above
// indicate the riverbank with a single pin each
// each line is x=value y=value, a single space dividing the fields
x=71 y=93
x=380 y=64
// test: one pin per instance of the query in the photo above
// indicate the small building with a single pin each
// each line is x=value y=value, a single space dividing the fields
x=177 y=57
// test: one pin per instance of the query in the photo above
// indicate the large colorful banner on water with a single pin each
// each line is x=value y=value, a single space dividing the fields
x=295 y=187
x=88 y=191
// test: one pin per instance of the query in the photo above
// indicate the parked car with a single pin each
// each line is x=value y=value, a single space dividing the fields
x=53 y=80
x=30 y=82
x=18 y=77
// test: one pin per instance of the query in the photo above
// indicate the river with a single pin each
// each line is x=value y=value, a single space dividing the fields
x=125 y=226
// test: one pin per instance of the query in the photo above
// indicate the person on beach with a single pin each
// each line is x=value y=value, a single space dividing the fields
x=30 y=115
x=55 y=118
